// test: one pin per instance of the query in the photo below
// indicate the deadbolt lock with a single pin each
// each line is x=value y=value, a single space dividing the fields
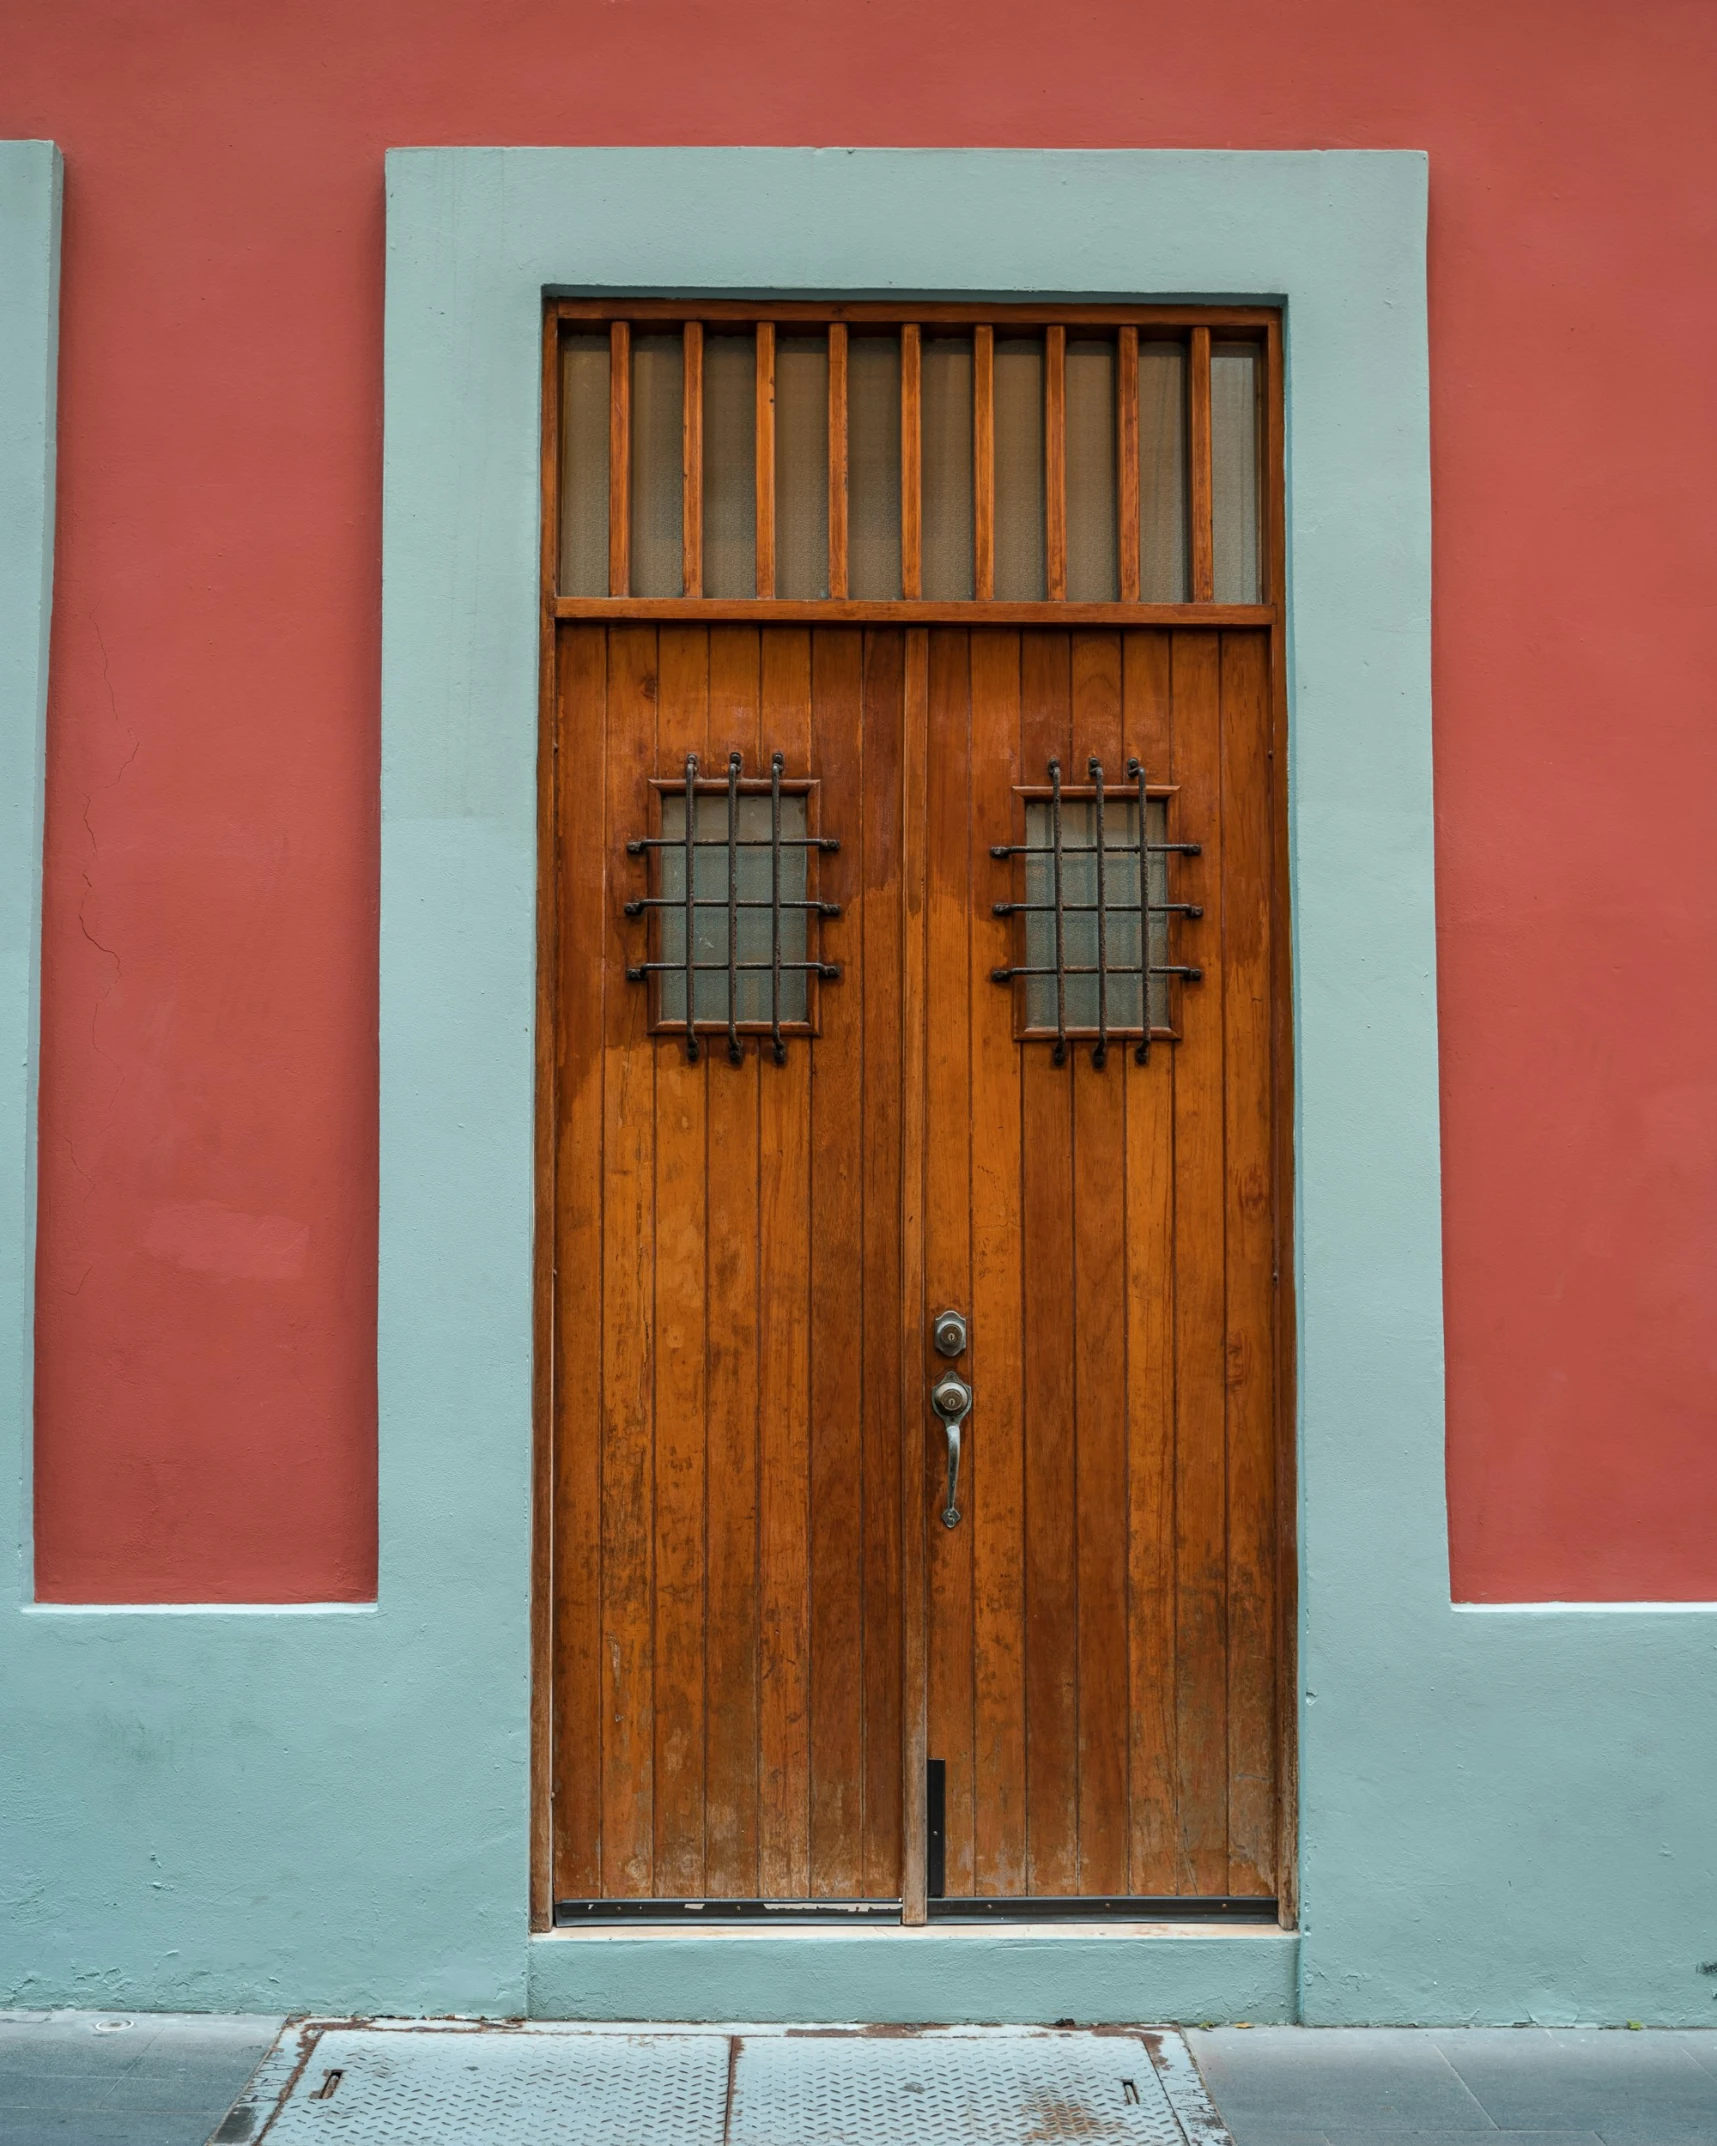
x=949 y=1333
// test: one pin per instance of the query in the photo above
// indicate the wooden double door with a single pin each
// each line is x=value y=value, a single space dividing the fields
x=778 y=1673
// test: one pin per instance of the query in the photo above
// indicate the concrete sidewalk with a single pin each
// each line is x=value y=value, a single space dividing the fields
x=124 y=2078
x=154 y=2079
x=1435 y=2086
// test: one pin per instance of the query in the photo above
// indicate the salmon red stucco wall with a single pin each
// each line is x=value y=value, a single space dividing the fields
x=206 y=1297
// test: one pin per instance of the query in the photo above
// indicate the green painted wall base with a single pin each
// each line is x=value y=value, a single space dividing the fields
x=982 y=1977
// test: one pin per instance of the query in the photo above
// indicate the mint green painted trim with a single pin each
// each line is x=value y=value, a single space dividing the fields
x=1502 y=1816
x=31 y=187
x=966 y=1977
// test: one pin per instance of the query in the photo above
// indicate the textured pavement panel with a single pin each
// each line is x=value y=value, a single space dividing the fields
x=507 y=2087
x=931 y=2090
x=537 y=2084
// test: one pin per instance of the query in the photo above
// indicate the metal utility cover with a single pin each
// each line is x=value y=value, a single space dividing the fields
x=923 y=2090
x=337 y=2084
x=471 y=2087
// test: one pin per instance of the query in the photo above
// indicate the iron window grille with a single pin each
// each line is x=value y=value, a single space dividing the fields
x=1096 y=914
x=734 y=907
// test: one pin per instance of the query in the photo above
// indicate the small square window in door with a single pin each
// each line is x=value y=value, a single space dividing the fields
x=735 y=944
x=1096 y=915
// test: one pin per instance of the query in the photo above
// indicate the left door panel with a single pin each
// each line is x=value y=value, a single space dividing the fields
x=727 y=1465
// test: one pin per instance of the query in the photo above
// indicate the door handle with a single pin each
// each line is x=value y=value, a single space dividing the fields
x=951 y=1398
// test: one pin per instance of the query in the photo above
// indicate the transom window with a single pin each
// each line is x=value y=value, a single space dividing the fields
x=844 y=454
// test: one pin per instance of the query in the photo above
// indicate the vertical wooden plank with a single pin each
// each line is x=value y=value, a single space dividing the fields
x=1201 y=1644
x=731 y=1454
x=691 y=484
x=682 y=721
x=1275 y=501
x=914 y=1358
x=1282 y=1088
x=552 y=476
x=948 y=1239
x=1249 y=1258
x=628 y=1290
x=543 y=1130
x=1100 y=1357
x=765 y=458
x=984 y=460
x=997 y=1367
x=1052 y=1629
x=1055 y=460
x=1153 y=1855
x=911 y=462
x=1127 y=452
x=884 y=1429
x=841 y=1288
x=1198 y=458
x=837 y=459
x=620 y=459
x=783 y=1363
x=582 y=899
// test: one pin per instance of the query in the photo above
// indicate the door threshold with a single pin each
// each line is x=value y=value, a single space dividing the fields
x=707 y=1914
x=1033 y=1912
x=1091 y=1908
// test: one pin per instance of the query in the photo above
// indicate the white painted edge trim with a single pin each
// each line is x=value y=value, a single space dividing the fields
x=200 y=1609
x=943 y=1933
x=1583 y=1609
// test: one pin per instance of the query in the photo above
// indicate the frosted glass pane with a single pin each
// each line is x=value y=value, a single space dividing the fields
x=1163 y=566
x=1021 y=555
x=1079 y=943
x=730 y=464
x=1093 y=531
x=802 y=465
x=1234 y=473
x=658 y=417
x=873 y=466
x=752 y=935
x=946 y=389
x=584 y=465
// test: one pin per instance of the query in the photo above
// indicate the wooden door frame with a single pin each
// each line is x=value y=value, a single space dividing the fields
x=915 y=617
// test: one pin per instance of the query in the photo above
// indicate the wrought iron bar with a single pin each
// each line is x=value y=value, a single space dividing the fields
x=638 y=847
x=1100 y=1054
x=1116 y=849
x=719 y=901
x=1089 y=968
x=776 y=764
x=745 y=842
x=735 y=1049
x=1060 y=1051
x=830 y=969
x=1142 y=1054
x=745 y=968
x=1072 y=909
x=691 y=905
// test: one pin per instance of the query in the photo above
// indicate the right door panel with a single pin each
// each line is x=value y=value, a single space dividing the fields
x=1104 y=1621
